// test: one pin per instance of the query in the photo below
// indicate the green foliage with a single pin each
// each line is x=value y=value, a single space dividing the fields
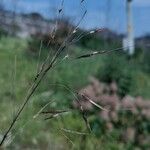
x=145 y=63
x=3 y=33
x=17 y=71
x=96 y=42
x=91 y=42
x=117 y=68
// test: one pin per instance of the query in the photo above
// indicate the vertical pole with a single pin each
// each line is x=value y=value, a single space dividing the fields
x=14 y=25
x=107 y=17
x=130 y=37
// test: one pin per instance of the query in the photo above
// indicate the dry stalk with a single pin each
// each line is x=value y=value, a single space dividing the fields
x=45 y=67
x=38 y=78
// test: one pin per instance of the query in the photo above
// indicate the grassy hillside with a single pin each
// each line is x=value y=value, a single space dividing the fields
x=18 y=66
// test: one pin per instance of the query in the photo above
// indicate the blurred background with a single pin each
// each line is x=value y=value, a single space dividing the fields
x=119 y=81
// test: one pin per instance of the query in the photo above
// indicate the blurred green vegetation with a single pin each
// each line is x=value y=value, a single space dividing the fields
x=2 y=33
x=18 y=65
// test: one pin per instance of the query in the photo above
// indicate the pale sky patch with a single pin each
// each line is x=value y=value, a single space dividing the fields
x=141 y=3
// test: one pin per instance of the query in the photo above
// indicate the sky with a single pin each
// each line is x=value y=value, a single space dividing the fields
x=100 y=13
